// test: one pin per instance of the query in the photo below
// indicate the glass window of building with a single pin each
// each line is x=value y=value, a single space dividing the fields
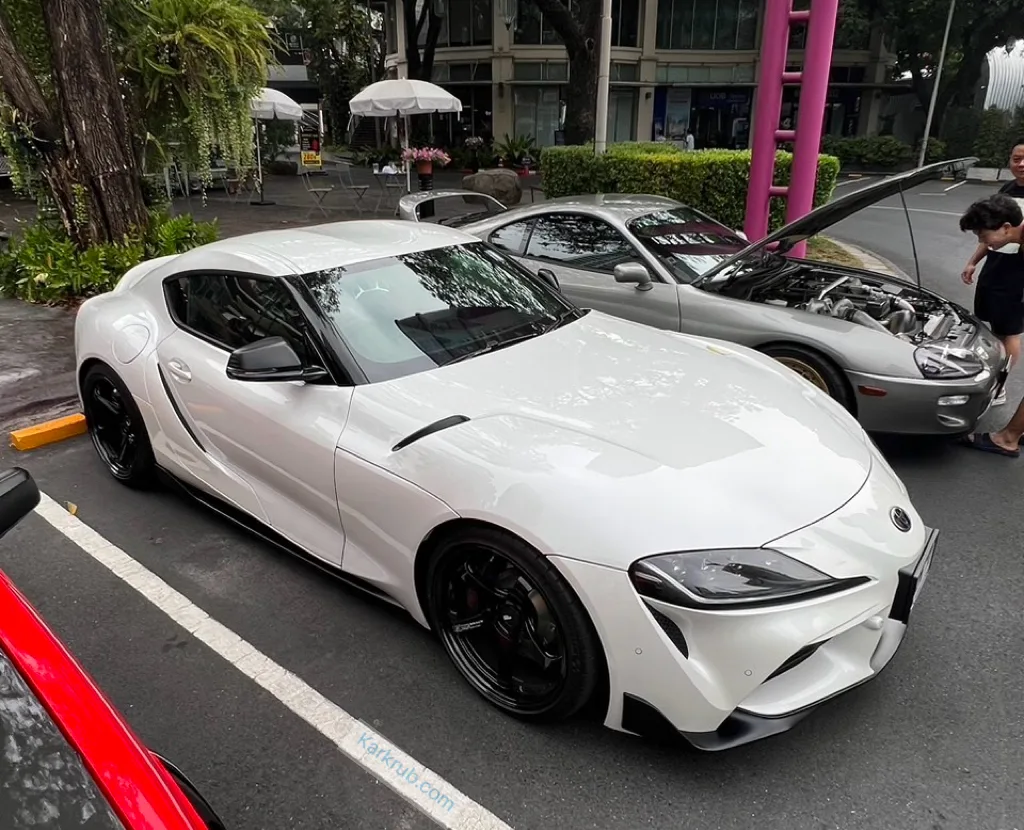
x=536 y=111
x=532 y=28
x=466 y=23
x=626 y=23
x=707 y=24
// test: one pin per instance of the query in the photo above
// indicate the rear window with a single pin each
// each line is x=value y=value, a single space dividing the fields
x=43 y=782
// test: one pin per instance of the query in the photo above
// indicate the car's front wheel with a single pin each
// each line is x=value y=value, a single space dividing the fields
x=813 y=368
x=116 y=427
x=512 y=625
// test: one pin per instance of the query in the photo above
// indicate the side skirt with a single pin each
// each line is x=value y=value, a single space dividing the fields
x=267 y=534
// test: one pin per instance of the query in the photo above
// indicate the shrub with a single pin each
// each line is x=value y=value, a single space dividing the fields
x=876 y=152
x=44 y=265
x=714 y=181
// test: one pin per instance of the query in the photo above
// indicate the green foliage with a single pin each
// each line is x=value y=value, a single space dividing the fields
x=914 y=31
x=193 y=67
x=995 y=135
x=342 y=44
x=959 y=131
x=877 y=152
x=713 y=181
x=45 y=266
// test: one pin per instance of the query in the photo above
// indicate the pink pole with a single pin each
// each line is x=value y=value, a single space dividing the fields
x=813 y=95
x=774 y=46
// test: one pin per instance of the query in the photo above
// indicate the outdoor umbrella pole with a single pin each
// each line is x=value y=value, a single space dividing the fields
x=259 y=166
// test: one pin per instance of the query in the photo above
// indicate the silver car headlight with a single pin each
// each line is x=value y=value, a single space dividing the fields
x=938 y=361
x=732 y=578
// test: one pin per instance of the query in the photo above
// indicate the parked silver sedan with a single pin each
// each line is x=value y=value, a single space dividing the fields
x=901 y=358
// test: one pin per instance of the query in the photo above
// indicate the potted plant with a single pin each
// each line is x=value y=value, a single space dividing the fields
x=474 y=144
x=424 y=158
x=514 y=152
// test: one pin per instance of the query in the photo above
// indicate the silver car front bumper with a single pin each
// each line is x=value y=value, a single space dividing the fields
x=917 y=406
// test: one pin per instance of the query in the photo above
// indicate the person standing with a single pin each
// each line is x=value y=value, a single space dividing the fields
x=999 y=296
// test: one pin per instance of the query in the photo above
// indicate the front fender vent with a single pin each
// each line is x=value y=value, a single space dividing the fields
x=671 y=630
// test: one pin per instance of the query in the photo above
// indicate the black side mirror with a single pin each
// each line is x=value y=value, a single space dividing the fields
x=19 y=496
x=270 y=359
x=549 y=277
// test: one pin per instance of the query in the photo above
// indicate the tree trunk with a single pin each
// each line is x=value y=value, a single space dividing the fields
x=94 y=119
x=580 y=31
x=581 y=99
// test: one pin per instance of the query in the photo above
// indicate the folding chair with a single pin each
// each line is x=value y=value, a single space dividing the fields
x=358 y=191
x=318 y=194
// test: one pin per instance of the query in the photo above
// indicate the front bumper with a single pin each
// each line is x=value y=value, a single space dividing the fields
x=723 y=679
x=744 y=726
x=918 y=406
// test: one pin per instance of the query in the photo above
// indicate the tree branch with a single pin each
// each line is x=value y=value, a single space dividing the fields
x=19 y=86
x=570 y=28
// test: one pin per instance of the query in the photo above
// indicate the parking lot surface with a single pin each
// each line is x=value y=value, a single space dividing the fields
x=935 y=742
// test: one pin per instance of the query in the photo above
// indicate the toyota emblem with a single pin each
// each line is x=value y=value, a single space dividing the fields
x=900 y=518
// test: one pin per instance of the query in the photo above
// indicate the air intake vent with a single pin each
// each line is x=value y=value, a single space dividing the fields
x=671 y=629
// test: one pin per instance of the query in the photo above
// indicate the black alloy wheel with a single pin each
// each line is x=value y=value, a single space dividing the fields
x=512 y=626
x=116 y=427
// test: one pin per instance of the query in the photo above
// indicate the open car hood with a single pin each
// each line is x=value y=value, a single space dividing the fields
x=836 y=211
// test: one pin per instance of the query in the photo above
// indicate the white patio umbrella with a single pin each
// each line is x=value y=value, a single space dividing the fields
x=403 y=97
x=267 y=105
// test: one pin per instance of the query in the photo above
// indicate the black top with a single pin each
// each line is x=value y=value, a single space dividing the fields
x=1003 y=272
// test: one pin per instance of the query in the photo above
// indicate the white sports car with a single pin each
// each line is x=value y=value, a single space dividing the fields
x=681 y=531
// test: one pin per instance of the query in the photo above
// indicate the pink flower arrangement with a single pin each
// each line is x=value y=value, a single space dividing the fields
x=422 y=154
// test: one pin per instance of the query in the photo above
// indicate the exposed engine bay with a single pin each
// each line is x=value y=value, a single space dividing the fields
x=901 y=312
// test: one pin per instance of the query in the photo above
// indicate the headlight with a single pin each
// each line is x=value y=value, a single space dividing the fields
x=938 y=361
x=731 y=578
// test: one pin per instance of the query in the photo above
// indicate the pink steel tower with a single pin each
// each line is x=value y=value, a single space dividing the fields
x=813 y=82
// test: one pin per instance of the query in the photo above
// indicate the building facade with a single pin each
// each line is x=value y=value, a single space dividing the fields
x=676 y=65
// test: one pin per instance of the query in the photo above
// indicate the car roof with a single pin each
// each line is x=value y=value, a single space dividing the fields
x=622 y=206
x=317 y=247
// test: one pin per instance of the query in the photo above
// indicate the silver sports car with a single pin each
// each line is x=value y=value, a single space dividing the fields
x=901 y=358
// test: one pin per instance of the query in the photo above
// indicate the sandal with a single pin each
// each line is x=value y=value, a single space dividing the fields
x=983 y=441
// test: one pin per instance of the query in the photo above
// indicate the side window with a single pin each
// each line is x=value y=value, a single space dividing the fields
x=580 y=242
x=511 y=237
x=235 y=311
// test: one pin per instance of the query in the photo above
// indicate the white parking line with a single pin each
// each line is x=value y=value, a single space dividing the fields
x=912 y=210
x=369 y=749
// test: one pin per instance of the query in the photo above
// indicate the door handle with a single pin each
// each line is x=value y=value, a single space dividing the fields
x=179 y=370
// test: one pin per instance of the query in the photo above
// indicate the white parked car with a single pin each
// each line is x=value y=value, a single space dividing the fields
x=576 y=504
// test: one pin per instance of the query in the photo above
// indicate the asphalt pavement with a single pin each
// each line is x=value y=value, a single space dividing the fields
x=936 y=742
x=935 y=209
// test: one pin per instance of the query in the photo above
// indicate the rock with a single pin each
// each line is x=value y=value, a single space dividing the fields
x=499 y=182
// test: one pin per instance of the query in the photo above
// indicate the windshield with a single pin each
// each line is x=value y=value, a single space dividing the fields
x=414 y=312
x=689 y=243
x=43 y=782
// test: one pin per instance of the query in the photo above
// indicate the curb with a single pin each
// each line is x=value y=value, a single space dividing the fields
x=871 y=261
x=48 y=432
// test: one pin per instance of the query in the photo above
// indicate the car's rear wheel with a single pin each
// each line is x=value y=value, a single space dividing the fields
x=116 y=427
x=512 y=625
x=813 y=368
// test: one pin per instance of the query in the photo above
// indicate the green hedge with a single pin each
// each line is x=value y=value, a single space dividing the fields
x=713 y=181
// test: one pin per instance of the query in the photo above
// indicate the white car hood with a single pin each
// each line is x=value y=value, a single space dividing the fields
x=658 y=441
